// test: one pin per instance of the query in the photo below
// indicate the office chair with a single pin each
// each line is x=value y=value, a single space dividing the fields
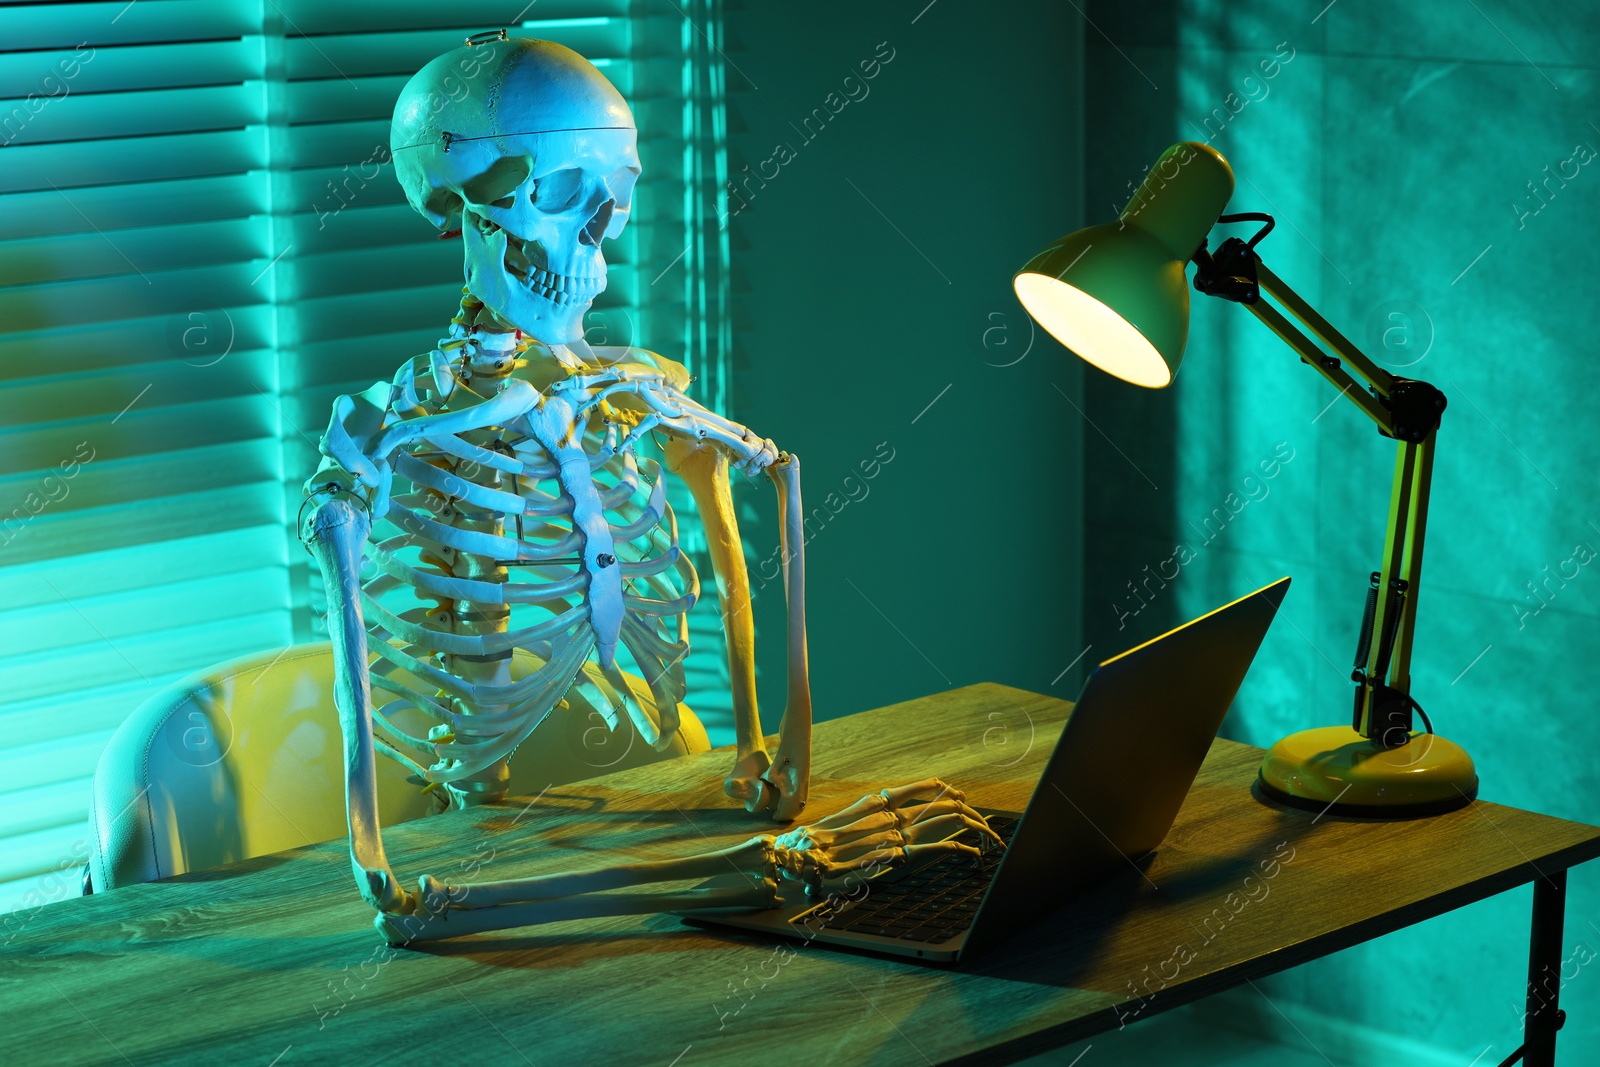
x=245 y=760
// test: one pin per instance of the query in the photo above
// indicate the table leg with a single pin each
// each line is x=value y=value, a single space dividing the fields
x=1544 y=1016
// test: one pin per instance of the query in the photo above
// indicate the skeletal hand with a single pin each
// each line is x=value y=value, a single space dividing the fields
x=891 y=827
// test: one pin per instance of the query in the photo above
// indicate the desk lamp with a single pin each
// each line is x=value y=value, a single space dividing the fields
x=1115 y=295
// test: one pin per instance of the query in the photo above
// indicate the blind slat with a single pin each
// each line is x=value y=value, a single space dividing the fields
x=81 y=620
x=42 y=27
x=74 y=164
x=124 y=568
x=139 y=292
x=171 y=382
x=44 y=212
x=174 y=648
x=50 y=535
x=128 y=68
x=193 y=337
x=69 y=116
x=70 y=257
x=44 y=807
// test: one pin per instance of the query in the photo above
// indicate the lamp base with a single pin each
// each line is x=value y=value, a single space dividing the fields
x=1335 y=769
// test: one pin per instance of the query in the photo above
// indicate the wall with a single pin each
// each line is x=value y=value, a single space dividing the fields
x=1395 y=149
x=875 y=323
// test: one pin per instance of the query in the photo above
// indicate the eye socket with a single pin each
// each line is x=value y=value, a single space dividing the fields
x=497 y=186
x=558 y=191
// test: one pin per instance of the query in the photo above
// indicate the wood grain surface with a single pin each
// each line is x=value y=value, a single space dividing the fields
x=274 y=961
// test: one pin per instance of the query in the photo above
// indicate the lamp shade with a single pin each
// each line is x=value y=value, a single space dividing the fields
x=1116 y=294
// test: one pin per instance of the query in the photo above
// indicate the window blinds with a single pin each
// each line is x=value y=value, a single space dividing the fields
x=201 y=244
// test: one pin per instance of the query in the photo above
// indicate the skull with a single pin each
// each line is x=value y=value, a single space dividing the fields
x=532 y=154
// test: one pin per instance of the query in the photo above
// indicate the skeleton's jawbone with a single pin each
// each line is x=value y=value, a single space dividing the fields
x=538 y=318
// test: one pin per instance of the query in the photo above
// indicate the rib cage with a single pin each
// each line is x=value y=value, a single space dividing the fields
x=496 y=539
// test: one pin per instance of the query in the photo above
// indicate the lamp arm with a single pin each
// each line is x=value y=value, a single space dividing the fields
x=1374 y=375
x=1404 y=409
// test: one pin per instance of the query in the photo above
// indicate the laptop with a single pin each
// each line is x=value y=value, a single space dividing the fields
x=1125 y=760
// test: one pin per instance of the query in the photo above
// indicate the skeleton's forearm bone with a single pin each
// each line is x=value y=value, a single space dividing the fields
x=882 y=828
x=406 y=929
x=335 y=531
x=794 y=734
x=747 y=858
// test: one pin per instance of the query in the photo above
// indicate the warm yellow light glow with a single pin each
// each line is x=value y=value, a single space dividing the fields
x=1091 y=330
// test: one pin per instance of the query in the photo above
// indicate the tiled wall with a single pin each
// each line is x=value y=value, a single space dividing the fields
x=1395 y=149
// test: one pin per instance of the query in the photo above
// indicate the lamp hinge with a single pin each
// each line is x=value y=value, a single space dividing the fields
x=1415 y=407
x=1230 y=273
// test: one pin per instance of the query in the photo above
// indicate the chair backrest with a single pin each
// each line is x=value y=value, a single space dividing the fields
x=246 y=759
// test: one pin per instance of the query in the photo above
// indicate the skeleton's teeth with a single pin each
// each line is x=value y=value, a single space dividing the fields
x=561 y=288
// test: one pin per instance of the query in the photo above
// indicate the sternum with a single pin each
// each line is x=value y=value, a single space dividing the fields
x=554 y=426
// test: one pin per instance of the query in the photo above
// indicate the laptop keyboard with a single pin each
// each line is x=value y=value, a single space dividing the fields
x=932 y=903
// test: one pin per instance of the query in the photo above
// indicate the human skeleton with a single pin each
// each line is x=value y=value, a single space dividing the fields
x=513 y=447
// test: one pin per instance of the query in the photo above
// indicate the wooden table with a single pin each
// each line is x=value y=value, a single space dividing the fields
x=274 y=961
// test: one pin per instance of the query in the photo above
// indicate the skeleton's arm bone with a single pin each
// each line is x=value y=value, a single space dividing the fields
x=334 y=532
x=705 y=471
